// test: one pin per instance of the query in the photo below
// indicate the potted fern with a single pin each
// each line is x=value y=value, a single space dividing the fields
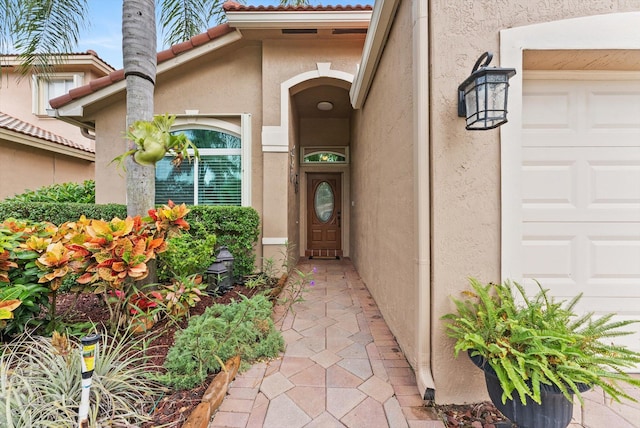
x=537 y=353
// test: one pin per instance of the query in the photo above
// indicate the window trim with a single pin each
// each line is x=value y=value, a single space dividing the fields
x=242 y=131
x=39 y=94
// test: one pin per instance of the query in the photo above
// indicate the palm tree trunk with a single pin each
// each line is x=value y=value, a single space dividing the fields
x=139 y=59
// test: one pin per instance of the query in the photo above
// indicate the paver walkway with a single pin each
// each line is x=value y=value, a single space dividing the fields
x=342 y=366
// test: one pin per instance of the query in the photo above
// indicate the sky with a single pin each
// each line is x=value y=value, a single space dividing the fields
x=104 y=34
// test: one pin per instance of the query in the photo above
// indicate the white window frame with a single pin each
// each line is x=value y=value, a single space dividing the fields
x=217 y=123
x=40 y=91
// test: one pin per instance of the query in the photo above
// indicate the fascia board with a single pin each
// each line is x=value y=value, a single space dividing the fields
x=381 y=21
x=80 y=60
x=296 y=20
x=75 y=109
x=49 y=146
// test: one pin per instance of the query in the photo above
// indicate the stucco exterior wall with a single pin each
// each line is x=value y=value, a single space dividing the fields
x=28 y=168
x=16 y=99
x=215 y=85
x=382 y=187
x=110 y=142
x=466 y=165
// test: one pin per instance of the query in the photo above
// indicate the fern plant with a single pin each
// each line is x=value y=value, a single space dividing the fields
x=535 y=342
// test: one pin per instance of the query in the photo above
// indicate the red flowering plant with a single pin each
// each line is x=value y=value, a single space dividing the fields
x=109 y=256
x=120 y=253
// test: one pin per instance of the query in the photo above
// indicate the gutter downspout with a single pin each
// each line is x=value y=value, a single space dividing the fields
x=422 y=114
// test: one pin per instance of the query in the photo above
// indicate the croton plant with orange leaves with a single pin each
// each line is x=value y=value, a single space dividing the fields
x=107 y=255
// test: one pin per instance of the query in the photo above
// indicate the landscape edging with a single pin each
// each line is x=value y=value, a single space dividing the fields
x=217 y=390
x=214 y=395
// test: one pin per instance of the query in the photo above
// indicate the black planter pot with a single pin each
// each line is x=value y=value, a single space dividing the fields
x=555 y=411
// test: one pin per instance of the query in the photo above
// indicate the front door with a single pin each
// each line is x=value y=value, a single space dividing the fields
x=324 y=210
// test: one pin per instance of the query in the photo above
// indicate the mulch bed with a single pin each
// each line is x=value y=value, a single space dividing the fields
x=476 y=415
x=173 y=409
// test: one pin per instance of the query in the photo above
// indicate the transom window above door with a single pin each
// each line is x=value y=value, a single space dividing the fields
x=324 y=155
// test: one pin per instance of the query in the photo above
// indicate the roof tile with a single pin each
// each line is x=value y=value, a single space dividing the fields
x=231 y=6
x=118 y=75
x=14 y=124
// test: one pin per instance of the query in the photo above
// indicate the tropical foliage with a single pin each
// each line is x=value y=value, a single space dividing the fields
x=108 y=256
x=540 y=342
x=84 y=193
x=153 y=140
x=40 y=382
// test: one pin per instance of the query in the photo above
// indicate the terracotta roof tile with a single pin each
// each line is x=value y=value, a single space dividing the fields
x=11 y=123
x=237 y=7
x=118 y=75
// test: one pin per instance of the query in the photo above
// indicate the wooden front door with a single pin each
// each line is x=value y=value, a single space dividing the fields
x=324 y=215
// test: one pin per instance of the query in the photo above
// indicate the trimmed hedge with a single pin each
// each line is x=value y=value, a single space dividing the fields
x=58 y=213
x=236 y=227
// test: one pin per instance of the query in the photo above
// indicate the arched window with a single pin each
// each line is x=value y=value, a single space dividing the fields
x=215 y=179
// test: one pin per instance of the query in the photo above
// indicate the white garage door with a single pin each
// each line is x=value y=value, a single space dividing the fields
x=581 y=193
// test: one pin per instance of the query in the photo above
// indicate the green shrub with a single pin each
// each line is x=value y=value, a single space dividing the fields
x=40 y=383
x=533 y=341
x=58 y=213
x=84 y=193
x=23 y=283
x=223 y=331
x=186 y=255
x=236 y=227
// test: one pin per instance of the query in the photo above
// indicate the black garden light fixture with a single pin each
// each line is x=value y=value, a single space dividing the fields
x=482 y=97
x=225 y=256
x=218 y=279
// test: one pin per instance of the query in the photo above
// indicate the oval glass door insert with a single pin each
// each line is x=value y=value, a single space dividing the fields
x=324 y=202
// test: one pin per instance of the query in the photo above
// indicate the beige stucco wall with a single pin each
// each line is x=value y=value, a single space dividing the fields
x=28 y=168
x=466 y=165
x=245 y=77
x=16 y=99
x=217 y=84
x=465 y=172
x=382 y=188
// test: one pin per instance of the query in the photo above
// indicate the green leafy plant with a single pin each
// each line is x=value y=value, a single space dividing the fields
x=40 y=382
x=223 y=331
x=183 y=293
x=186 y=255
x=84 y=193
x=297 y=281
x=540 y=342
x=153 y=140
x=237 y=228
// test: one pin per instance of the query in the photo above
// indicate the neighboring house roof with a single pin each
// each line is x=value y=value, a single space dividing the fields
x=10 y=126
x=71 y=60
x=283 y=16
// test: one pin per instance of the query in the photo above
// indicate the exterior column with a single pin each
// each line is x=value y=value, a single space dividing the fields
x=275 y=157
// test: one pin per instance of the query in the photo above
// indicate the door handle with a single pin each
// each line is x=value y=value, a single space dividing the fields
x=339 y=219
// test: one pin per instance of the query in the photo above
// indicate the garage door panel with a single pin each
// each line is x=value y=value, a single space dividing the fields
x=580 y=198
x=600 y=115
x=580 y=113
x=548 y=109
x=601 y=259
x=581 y=184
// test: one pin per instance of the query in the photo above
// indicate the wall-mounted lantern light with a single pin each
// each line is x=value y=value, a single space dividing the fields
x=482 y=97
